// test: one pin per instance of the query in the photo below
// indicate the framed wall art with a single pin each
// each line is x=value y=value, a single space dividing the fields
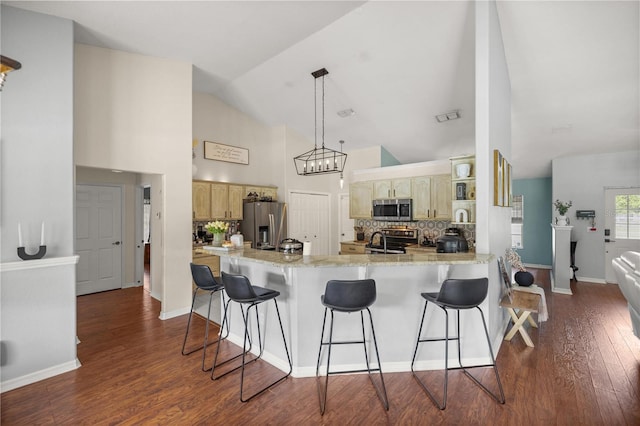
x=221 y=152
x=498 y=178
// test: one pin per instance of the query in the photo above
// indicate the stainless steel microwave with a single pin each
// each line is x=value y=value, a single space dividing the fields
x=393 y=209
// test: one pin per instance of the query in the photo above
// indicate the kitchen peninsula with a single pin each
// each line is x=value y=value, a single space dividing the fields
x=396 y=313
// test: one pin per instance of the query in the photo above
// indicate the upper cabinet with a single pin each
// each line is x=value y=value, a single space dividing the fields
x=395 y=188
x=463 y=190
x=223 y=201
x=262 y=191
x=201 y=200
x=360 y=198
x=431 y=197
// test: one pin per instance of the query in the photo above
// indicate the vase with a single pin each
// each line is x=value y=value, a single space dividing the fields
x=524 y=278
x=562 y=220
x=218 y=238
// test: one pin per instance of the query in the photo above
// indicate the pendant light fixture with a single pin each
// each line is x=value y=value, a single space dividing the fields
x=6 y=66
x=320 y=160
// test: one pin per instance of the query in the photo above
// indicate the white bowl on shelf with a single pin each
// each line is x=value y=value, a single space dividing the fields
x=463 y=170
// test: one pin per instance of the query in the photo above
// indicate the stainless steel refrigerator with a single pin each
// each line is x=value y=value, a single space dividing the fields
x=264 y=224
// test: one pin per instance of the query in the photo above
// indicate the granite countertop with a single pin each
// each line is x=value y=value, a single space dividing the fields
x=298 y=261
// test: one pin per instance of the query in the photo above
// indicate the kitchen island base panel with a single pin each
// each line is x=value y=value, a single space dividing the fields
x=396 y=313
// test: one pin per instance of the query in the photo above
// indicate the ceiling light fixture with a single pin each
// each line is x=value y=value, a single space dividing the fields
x=320 y=160
x=6 y=66
x=441 y=118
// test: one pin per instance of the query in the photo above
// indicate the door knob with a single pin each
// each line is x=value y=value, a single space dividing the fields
x=117 y=243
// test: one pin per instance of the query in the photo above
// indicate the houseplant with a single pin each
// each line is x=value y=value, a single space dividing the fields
x=522 y=276
x=562 y=209
x=218 y=229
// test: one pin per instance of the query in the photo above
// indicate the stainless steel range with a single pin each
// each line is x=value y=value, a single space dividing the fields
x=397 y=239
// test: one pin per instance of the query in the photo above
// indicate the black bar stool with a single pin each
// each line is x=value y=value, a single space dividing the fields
x=205 y=281
x=457 y=294
x=240 y=290
x=349 y=296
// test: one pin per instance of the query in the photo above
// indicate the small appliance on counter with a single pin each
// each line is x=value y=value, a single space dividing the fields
x=291 y=246
x=452 y=242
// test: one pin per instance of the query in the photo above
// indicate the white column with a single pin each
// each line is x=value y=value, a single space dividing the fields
x=561 y=271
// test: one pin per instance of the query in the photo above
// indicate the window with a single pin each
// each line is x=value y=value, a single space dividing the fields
x=627 y=217
x=517 y=218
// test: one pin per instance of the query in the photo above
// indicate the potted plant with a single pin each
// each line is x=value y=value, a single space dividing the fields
x=218 y=229
x=562 y=209
x=522 y=276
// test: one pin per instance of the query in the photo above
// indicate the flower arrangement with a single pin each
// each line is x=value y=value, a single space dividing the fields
x=217 y=227
x=562 y=207
x=514 y=259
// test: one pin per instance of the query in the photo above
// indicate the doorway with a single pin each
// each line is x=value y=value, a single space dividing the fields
x=346 y=223
x=622 y=225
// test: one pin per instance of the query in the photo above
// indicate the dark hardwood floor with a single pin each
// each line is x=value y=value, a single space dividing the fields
x=585 y=369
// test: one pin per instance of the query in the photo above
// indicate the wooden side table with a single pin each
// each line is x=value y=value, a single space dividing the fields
x=520 y=310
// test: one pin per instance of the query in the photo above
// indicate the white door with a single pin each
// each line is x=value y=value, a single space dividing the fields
x=346 y=224
x=622 y=223
x=98 y=238
x=309 y=220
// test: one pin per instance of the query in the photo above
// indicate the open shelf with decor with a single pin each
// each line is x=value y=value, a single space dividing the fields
x=463 y=190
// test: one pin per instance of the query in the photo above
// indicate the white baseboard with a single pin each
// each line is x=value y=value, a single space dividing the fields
x=534 y=265
x=39 y=375
x=591 y=280
x=129 y=285
x=173 y=314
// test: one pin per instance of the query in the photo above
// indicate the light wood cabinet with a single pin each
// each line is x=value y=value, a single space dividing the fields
x=463 y=204
x=223 y=201
x=201 y=200
x=360 y=198
x=431 y=197
x=351 y=248
x=395 y=188
x=236 y=197
x=262 y=191
x=219 y=201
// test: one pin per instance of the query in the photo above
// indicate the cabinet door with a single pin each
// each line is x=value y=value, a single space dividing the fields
x=270 y=191
x=401 y=188
x=236 y=195
x=382 y=189
x=441 y=196
x=421 y=195
x=201 y=200
x=219 y=201
x=360 y=194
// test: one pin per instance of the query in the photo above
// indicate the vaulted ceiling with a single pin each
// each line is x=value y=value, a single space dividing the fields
x=574 y=67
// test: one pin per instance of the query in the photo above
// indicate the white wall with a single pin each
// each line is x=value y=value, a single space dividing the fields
x=133 y=113
x=493 y=131
x=38 y=311
x=582 y=180
x=215 y=121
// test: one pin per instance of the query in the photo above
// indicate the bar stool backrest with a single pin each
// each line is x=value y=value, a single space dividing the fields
x=202 y=276
x=463 y=293
x=238 y=287
x=349 y=295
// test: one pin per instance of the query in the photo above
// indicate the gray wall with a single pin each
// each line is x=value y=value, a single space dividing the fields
x=37 y=133
x=582 y=179
x=536 y=232
x=38 y=299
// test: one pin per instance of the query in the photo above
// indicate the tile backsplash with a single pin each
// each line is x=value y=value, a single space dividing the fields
x=431 y=228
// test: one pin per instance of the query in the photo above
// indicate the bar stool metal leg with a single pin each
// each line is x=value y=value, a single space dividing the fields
x=322 y=393
x=215 y=359
x=206 y=330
